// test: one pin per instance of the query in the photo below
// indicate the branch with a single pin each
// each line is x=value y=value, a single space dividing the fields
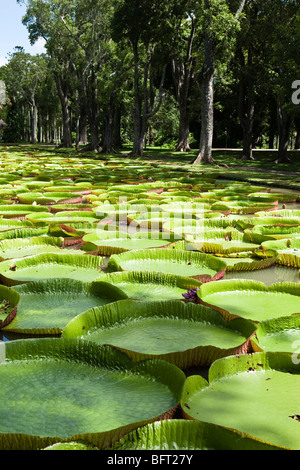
x=240 y=8
x=85 y=49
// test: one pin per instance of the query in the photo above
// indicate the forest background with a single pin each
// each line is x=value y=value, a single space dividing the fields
x=192 y=74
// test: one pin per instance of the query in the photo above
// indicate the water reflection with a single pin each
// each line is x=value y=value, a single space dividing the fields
x=268 y=276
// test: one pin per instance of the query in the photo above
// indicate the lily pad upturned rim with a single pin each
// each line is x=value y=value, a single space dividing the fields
x=13 y=297
x=231 y=366
x=61 y=285
x=185 y=434
x=149 y=277
x=122 y=312
x=228 y=285
x=33 y=242
x=272 y=327
x=290 y=258
x=177 y=256
x=80 y=260
x=67 y=350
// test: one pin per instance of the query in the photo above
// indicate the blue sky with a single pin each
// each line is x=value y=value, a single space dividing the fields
x=12 y=32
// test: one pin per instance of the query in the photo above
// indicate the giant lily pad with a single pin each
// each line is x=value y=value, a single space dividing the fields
x=48 y=198
x=24 y=233
x=221 y=242
x=143 y=285
x=46 y=307
x=20 y=247
x=251 y=299
x=255 y=394
x=9 y=301
x=183 y=434
x=63 y=218
x=185 y=263
x=278 y=334
x=110 y=242
x=49 y=266
x=19 y=210
x=287 y=251
x=55 y=389
x=184 y=334
x=262 y=233
x=8 y=224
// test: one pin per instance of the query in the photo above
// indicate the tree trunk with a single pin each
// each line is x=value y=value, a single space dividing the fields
x=62 y=90
x=297 y=126
x=183 y=144
x=207 y=105
x=140 y=132
x=147 y=101
x=246 y=106
x=107 y=138
x=284 y=126
x=117 y=139
x=33 y=119
x=83 y=139
x=183 y=77
x=273 y=123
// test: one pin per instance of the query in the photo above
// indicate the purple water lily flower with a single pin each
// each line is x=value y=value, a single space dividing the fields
x=191 y=295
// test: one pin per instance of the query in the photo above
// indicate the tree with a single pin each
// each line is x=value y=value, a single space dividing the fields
x=43 y=20
x=284 y=63
x=151 y=28
x=24 y=75
x=77 y=39
x=184 y=62
x=221 y=21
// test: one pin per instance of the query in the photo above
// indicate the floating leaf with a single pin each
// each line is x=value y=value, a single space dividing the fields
x=250 y=299
x=258 y=394
x=50 y=266
x=185 y=263
x=46 y=307
x=72 y=390
x=186 y=335
x=150 y=285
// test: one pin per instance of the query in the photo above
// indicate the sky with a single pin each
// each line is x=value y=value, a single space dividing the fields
x=12 y=32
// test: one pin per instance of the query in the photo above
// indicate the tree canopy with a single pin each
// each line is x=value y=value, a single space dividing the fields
x=194 y=73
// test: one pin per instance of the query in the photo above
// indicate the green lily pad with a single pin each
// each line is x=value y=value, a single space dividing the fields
x=24 y=233
x=221 y=242
x=81 y=267
x=183 y=434
x=46 y=307
x=111 y=242
x=143 y=285
x=47 y=198
x=251 y=299
x=262 y=233
x=287 y=251
x=255 y=394
x=63 y=218
x=184 y=334
x=282 y=214
x=185 y=263
x=278 y=334
x=71 y=207
x=9 y=301
x=19 y=210
x=71 y=446
x=8 y=224
x=20 y=247
x=56 y=389
x=242 y=206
